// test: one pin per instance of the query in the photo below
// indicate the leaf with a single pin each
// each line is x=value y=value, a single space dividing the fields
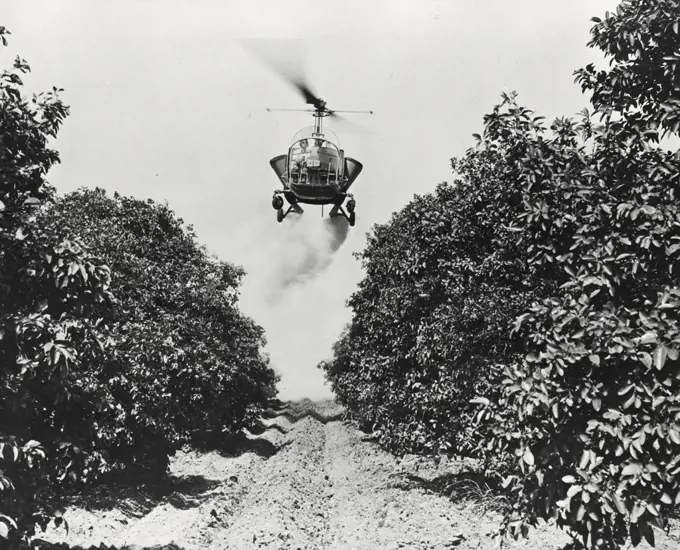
x=480 y=401
x=631 y=469
x=674 y=435
x=646 y=359
x=581 y=512
x=528 y=457
x=648 y=338
x=626 y=389
x=569 y=479
x=637 y=511
x=5 y=523
x=634 y=530
x=574 y=490
x=9 y=521
x=507 y=481
x=629 y=401
x=594 y=359
x=658 y=400
x=660 y=354
x=620 y=505
x=648 y=533
x=9 y=452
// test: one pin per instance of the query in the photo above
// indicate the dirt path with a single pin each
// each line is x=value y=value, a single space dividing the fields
x=324 y=488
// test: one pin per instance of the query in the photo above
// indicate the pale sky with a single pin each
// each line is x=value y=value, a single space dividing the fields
x=167 y=104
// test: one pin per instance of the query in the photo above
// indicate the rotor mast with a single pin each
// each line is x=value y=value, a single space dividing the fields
x=319 y=112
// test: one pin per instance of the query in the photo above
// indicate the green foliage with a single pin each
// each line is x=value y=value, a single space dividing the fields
x=53 y=294
x=591 y=416
x=586 y=419
x=90 y=383
x=590 y=413
x=187 y=364
x=429 y=319
x=642 y=40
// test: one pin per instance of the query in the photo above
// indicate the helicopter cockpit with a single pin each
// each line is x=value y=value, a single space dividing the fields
x=315 y=159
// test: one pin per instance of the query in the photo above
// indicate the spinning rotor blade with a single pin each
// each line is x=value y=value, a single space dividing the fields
x=347 y=125
x=269 y=109
x=333 y=111
x=285 y=58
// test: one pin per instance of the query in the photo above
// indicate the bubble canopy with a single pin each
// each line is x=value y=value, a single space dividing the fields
x=308 y=133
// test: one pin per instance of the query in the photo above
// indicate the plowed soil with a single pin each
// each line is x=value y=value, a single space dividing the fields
x=308 y=481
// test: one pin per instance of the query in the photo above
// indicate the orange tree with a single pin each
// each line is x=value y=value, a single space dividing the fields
x=590 y=416
x=587 y=415
x=53 y=295
x=91 y=382
x=187 y=365
x=443 y=281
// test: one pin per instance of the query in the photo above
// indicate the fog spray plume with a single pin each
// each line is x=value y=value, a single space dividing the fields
x=308 y=249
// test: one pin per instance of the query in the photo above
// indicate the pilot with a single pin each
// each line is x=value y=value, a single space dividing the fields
x=303 y=145
x=319 y=142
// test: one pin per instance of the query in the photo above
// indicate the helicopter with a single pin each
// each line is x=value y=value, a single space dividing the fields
x=315 y=169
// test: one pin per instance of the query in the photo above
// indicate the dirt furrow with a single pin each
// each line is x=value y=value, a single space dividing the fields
x=202 y=491
x=285 y=509
x=302 y=484
x=369 y=511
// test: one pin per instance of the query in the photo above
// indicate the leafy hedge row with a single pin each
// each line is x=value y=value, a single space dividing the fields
x=120 y=337
x=577 y=387
x=442 y=284
x=186 y=364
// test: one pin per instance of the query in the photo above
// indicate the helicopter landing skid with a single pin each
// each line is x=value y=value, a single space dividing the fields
x=338 y=210
x=281 y=215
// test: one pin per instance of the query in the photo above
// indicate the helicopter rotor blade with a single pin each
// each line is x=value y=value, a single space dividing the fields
x=348 y=125
x=333 y=111
x=269 y=109
x=285 y=58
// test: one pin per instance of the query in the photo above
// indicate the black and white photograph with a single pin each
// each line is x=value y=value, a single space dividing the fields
x=339 y=274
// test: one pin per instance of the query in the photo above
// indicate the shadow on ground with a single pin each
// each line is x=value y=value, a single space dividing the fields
x=294 y=416
x=137 y=493
x=465 y=486
x=241 y=443
x=260 y=427
x=136 y=499
x=44 y=545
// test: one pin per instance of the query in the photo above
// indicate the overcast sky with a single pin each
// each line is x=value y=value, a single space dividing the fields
x=167 y=104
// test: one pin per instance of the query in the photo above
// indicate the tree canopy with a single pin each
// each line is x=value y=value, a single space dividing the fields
x=186 y=360
x=581 y=334
x=442 y=284
x=53 y=296
x=120 y=336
